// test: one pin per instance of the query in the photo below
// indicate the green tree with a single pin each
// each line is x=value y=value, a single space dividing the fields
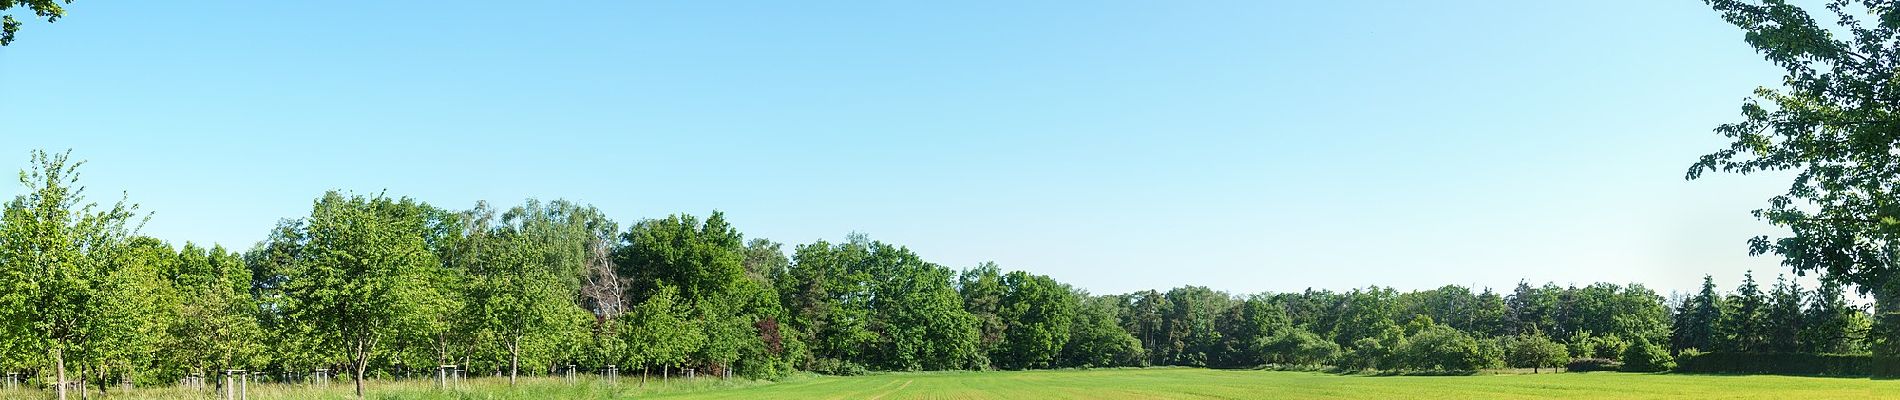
x=354 y=284
x=702 y=260
x=982 y=291
x=1832 y=123
x=1037 y=312
x=1643 y=356
x=1143 y=317
x=919 y=317
x=48 y=9
x=708 y=262
x=1784 y=316
x=214 y=325
x=522 y=291
x=1190 y=333
x=1744 y=327
x=827 y=295
x=765 y=261
x=1095 y=337
x=1536 y=351
x=868 y=303
x=661 y=330
x=1699 y=318
x=1243 y=325
x=1831 y=324
x=1366 y=314
x=1296 y=346
x=1442 y=348
x=56 y=253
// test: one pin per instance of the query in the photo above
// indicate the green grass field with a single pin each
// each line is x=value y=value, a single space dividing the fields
x=1157 y=383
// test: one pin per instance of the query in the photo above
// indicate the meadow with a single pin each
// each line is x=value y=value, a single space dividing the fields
x=1151 y=383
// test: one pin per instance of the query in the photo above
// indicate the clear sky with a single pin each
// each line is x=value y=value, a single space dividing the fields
x=1243 y=145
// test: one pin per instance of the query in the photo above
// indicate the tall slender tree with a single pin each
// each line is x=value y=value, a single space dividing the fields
x=1698 y=321
x=57 y=253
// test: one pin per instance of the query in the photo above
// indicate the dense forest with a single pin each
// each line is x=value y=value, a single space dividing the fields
x=386 y=287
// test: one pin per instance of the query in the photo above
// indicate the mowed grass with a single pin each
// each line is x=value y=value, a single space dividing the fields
x=1153 y=383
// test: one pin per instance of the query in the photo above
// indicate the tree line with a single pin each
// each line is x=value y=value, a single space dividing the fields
x=375 y=286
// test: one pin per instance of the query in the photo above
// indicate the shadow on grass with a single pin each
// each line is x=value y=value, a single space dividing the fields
x=1781 y=374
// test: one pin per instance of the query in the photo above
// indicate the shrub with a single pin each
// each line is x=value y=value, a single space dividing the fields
x=1366 y=353
x=1297 y=346
x=1536 y=351
x=1777 y=363
x=832 y=366
x=1642 y=356
x=1444 y=348
x=1688 y=353
x=1593 y=364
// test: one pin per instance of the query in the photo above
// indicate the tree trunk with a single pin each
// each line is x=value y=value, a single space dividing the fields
x=643 y=375
x=514 y=360
x=59 y=366
x=362 y=359
x=666 y=373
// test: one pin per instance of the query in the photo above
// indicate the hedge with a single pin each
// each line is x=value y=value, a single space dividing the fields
x=1592 y=364
x=1779 y=363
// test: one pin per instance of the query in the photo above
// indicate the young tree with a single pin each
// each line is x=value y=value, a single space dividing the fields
x=56 y=262
x=215 y=321
x=355 y=279
x=523 y=292
x=661 y=330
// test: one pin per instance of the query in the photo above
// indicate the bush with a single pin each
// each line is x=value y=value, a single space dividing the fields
x=1688 y=353
x=1442 y=348
x=1534 y=350
x=1593 y=364
x=1366 y=353
x=832 y=366
x=1778 y=363
x=1297 y=346
x=1642 y=356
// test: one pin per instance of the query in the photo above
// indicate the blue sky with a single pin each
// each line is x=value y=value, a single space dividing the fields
x=1119 y=146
